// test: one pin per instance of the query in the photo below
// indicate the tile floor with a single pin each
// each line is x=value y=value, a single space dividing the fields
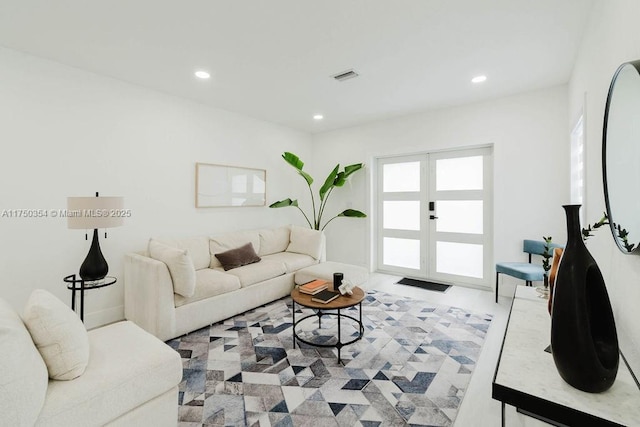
x=478 y=408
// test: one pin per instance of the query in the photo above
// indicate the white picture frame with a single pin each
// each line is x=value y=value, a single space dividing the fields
x=229 y=186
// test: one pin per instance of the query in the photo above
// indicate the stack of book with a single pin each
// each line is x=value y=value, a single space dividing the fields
x=313 y=287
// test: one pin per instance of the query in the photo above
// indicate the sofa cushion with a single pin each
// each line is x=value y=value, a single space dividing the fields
x=196 y=247
x=23 y=374
x=59 y=335
x=127 y=368
x=305 y=241
x=238 y=257
x=256 y=273
x=209 y=283
x=183 y=273
x=228 y=241
x=291 y=261
x=274 y=240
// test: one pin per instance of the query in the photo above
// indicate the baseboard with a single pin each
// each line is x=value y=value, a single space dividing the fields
x=103 y=317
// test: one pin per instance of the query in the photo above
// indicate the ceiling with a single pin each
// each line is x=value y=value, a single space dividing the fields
x=272 y=60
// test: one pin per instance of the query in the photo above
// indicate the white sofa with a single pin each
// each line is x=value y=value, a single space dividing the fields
x=151 y=300
x=131 y=378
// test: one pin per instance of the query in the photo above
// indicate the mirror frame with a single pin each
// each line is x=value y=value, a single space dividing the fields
x=635 y=64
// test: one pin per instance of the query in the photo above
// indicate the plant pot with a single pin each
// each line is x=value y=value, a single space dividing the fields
x=584 y=342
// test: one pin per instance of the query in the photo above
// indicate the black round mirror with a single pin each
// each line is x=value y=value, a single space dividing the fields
x=621 y=156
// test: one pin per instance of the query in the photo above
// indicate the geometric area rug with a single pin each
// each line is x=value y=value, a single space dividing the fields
x=412 y=367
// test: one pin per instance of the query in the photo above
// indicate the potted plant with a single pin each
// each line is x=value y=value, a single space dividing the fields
x=337 y=178
x=546 y=265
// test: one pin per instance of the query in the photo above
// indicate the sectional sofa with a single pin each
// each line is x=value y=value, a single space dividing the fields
x=179 y=285
x=55 y=373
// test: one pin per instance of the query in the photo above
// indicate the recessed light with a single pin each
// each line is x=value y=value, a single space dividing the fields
x=202 y=74
x=478 y=79
x=318 y=117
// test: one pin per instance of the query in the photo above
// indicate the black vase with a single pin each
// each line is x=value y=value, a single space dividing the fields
x=583 y=331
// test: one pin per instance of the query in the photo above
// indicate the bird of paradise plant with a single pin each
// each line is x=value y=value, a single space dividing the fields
x=337 y=178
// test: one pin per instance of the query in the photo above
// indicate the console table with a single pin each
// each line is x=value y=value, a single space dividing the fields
x=526 y=376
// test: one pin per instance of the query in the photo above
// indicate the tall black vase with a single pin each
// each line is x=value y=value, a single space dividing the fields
x=583 y=331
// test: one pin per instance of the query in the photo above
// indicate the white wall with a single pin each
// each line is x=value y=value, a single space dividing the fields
x=531 y=157
x=611 y=38
x=66 y=132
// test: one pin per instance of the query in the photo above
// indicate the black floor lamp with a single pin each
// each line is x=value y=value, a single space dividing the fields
x=94 y=213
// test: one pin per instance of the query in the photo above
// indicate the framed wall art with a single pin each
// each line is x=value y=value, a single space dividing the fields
x=224 y=186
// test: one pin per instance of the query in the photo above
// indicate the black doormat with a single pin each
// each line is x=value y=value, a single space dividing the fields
x=437 y=287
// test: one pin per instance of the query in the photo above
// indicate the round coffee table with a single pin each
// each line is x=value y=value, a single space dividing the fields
x=343 y=301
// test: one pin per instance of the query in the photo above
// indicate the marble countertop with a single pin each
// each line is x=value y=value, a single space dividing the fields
x=525 y=367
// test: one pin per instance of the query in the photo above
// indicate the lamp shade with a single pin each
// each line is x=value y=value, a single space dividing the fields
x=94 y=212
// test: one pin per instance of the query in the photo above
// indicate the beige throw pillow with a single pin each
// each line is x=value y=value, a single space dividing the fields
x=59 y=335
x=305 y=241
x=183 y=273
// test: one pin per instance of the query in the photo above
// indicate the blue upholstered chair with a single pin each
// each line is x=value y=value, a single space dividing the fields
x=525 y=270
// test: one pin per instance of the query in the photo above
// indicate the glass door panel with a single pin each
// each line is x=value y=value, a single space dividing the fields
x=460 y=216
x=459 y=173
x=401 y=215
x=399 y=177
x=403 y=253
x=461 y=259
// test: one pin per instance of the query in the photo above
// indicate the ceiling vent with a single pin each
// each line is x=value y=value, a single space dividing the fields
x=345 y=75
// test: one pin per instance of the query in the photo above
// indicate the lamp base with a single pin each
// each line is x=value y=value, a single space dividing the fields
x=94 y=267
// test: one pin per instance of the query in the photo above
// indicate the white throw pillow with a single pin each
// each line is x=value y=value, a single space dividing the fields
x=59 y=335
x=183 y=273
x=305 y=241
x=23 y=374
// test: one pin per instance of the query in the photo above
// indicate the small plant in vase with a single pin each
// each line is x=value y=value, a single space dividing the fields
x=546 y=264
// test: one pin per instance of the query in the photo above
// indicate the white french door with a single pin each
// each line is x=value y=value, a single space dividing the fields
x=435 y=216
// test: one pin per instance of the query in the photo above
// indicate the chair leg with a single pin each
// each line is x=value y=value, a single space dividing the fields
x=497 y=286
x=529 y=283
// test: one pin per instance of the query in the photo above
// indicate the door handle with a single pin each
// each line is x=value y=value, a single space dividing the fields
x=433 y=217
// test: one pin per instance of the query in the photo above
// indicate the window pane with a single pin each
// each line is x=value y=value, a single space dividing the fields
x=459 y=216
x=401 y=252
x=401 y=177
x=460 y=173
x=401 y=215
x=462 y=259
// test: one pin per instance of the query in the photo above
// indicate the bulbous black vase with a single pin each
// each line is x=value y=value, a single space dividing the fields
x=584 y=342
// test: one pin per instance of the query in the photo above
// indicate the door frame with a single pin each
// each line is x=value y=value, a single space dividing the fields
x=376 y=207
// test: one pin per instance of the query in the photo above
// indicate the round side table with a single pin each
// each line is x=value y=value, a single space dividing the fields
x=343 y=301
x=75 y=284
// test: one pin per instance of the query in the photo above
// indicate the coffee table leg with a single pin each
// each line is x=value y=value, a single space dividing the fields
x=293 y=329
x=339 y=344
